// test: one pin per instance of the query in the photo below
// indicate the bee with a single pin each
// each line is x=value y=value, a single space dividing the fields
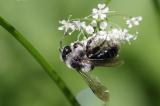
x=86 y=55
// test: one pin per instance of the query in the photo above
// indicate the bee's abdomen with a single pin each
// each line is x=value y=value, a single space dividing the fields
x=105 y=53
x=112 y=52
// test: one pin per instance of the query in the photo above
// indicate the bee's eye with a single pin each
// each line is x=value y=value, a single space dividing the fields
x=66 y=51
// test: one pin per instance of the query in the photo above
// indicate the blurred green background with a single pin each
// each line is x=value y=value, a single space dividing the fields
x=24 y=83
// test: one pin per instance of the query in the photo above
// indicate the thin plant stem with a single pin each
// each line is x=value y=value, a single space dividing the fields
x=41 y=60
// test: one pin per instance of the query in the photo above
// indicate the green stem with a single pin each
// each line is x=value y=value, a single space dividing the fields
x=40 y=59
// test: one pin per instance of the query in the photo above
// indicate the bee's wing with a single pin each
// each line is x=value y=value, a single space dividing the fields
x=108 y=63
x=98 y=89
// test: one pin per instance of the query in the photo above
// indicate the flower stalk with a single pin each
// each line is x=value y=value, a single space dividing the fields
x=41 y=60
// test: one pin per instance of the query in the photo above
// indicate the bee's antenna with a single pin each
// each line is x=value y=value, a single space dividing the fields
x=61 y=43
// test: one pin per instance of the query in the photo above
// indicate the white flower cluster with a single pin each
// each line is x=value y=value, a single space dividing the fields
x=97 y=25
x=133 y=21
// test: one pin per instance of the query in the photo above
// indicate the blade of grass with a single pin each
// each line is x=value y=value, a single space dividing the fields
x=41 y=60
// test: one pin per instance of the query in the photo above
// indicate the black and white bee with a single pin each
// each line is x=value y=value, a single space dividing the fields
x=85 y=55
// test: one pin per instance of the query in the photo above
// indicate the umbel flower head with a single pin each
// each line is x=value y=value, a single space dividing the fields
x=98 y=43
x=99 y=40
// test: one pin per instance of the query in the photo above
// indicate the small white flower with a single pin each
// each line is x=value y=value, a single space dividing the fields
x=133 y=21
x=98 y=38
x=101 y=6
x=67 y=27
x=94 y=23
x=103 y=25
x=101 y=35
x=118 y=36
x=79 y=25
x=89 y=29
x=83 y=25
x=101 y=12
x=130 y=37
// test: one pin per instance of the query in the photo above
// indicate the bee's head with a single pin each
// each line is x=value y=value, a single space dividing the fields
x=65 y=51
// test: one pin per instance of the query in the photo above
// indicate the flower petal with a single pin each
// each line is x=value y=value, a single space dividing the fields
x=101 y=6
